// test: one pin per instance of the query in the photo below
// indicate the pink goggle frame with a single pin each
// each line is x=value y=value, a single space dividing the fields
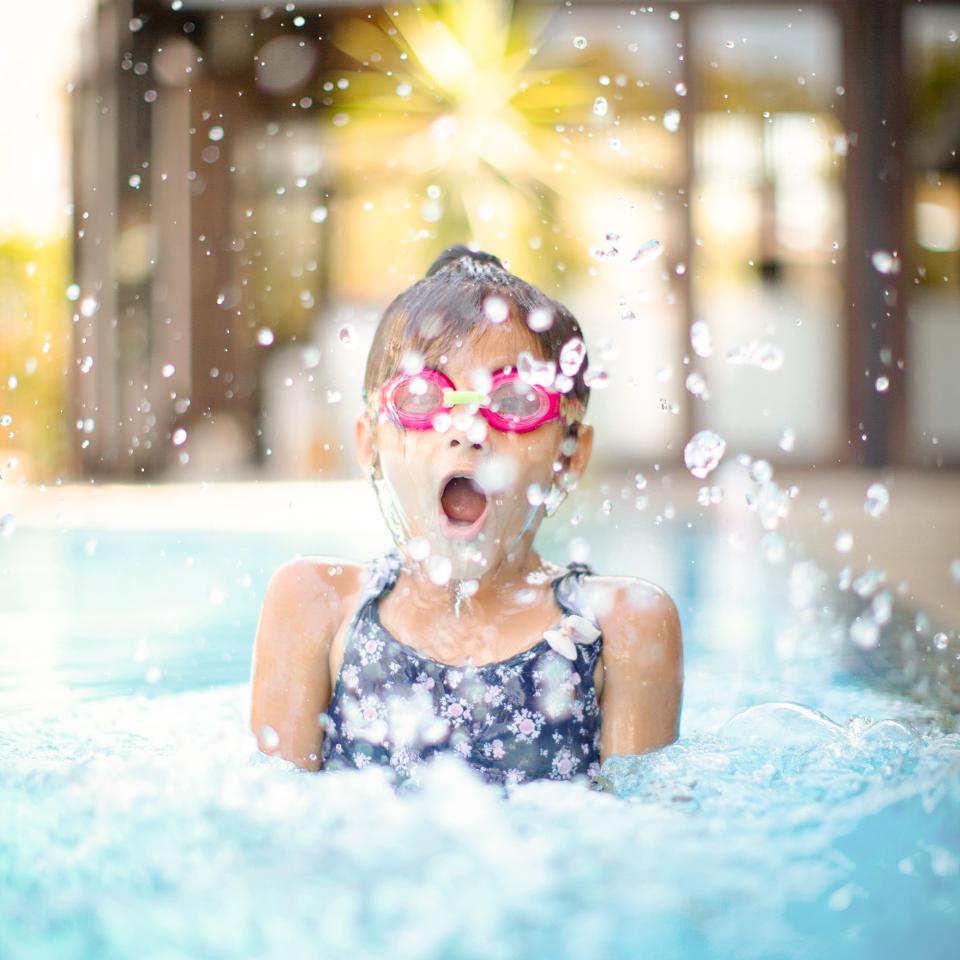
x=412 y=401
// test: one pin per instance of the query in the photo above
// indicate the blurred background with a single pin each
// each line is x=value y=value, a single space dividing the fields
x=207 y=205
x=753 y=209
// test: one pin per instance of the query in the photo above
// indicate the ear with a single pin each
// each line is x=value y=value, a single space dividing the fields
x=364 y=442
x=581 y=456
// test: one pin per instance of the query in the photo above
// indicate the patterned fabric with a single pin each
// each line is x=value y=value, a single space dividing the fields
x=533 y=716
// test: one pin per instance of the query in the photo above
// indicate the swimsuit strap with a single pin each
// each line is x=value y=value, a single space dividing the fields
x=383 y=575
x=569 y=592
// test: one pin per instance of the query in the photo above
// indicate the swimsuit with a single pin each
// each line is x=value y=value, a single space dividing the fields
x=533 y=716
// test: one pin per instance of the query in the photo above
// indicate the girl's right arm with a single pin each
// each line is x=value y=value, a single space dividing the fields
x=291 y=677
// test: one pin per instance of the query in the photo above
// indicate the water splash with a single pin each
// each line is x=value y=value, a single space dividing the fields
x=647 y=251
x=703 y=452
x=572 y=355
x=878 y=499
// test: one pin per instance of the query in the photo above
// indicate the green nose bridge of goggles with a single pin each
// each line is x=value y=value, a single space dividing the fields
x=452 y=398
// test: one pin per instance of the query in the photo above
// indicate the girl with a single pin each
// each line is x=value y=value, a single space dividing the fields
x=463 y=638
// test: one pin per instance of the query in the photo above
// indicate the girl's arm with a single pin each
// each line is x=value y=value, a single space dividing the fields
x=643 y=670
x=291 y=677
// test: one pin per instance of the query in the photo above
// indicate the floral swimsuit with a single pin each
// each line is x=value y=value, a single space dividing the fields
x=534 y=716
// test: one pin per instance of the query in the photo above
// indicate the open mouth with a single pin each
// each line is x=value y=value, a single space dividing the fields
x=463 y=504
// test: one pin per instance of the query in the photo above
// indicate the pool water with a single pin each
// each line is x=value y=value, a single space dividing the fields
x=801 y=814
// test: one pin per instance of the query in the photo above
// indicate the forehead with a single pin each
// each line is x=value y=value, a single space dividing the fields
x=489 y=346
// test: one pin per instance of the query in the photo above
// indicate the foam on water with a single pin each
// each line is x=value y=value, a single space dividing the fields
x=152 y=828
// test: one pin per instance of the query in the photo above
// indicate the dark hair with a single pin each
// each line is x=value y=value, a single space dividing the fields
x=447 y=304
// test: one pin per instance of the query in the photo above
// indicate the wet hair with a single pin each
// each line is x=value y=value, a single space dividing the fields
x=447 y=306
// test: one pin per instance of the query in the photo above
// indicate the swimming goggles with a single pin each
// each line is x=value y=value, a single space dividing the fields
x=413 y=401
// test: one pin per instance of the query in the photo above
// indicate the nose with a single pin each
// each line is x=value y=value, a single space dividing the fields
x=465 y=442
x=463 y=425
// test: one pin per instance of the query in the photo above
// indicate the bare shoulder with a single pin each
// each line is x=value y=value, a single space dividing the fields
x=313 y=591
x=639 y=621
x=642 y=659
x=306 y=601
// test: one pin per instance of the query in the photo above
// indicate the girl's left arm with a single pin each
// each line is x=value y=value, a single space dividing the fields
x=643 y=670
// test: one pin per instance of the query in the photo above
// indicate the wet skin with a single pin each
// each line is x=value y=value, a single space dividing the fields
x=310 y=602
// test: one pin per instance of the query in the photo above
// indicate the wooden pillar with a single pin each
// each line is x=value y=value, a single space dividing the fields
x=875 y=122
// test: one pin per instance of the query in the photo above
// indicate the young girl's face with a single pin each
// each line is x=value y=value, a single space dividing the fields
x=465 y=528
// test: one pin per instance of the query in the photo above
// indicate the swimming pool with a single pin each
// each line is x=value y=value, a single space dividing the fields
x=801 y=814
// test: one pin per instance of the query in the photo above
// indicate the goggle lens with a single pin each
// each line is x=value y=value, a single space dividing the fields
x=416 y=397
x=516 y=400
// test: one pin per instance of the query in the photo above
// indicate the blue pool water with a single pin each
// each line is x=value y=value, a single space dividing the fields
x=801 y=814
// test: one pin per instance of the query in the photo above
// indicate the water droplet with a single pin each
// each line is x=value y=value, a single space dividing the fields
x=767 y=356
x=600 y=107
x=439 y=569
x=867 y=583
x=671 y=120
x=729 y=44
x=404 y=89
x=572 y=355
x=607 y=507
x=885 y=262
x=264 y=336
x=535 y=495
x=318 y=214
x=346 y=335
x=179 y=437
x=955 y=570
x=700 y=338
x=536 y=372
x=269 y=737
x=6 y=420
x=864 y=631
x=596 y=378
x=418 y=549
x=941 y=641
x=680 y=89
x=134 y=181
x=878 y=499
x=703 y=453
x=8 y=523
x=540 y=319
x=496 y=473
x=674 y=14
x=843 y=542
x=882 y=385
x=696 y=384
x=761 y=471
x=580 y=43
x=477 y=431
x=442 y=422
x=647 y=251
x=788 y=438
x=168 y=370
x=603 y=253
x=882 y=607
x=215 y=134
x=89 y=306
x=334 y=396
x=496 y=309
